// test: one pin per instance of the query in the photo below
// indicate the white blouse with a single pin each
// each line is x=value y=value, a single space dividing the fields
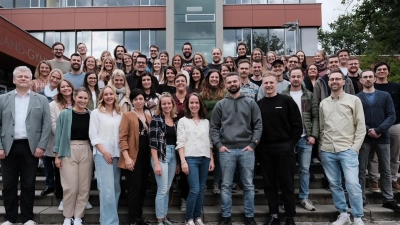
x=194 y=138
x=104 y=130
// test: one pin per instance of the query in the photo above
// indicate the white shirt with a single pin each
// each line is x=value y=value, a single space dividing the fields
x=296 y=95
x=194 y=138
x=94 y=98
x=21 y=110
x=104 y=130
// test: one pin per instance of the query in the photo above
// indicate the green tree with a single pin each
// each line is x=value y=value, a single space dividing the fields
x=264 y=42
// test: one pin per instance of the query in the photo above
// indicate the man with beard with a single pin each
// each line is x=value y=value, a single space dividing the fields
x=256 y=67
x=153 y=55
x=217 y=59
x=278 y=68
x=379 y=117
x=353 y=68
x=246 y=87
x=236 y=146
x=133 y=79
x=282 y=129
x=75 y=76
x=58 y=62
x=342 y=132
x=187 y=53
x=119 y=55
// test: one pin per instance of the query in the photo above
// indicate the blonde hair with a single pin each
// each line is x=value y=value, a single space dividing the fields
x=103 y=73
x=100 y=62
x=159 y=109
x=120 y=73
x=101 y=106
x=37 y=71
x=59 y=72
x=270 y=74
x=204 y=64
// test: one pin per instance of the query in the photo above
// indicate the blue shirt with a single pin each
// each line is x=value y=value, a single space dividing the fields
x=76 y=79
x=249 y=90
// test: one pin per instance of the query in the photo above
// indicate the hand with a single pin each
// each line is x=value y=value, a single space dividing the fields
x=2 y=154
x=211 y=166
x=185 y=168
x=157 y=169
x=39 y=153
x=178 y=169
x=108 y=157
x=372 y=133
x=58 y=162
x=310 y=140
x=248 y=148
x=130 y=165
x=223 y=149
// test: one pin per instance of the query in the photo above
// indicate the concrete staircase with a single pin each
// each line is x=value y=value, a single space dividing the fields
x=46 y=206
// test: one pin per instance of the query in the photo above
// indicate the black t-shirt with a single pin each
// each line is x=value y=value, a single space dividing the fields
x=80 y=126
x=394 y=90
x=258 y=83
x=354 y=80
x=165 y=88
x=170 y=136
x=214 y=66
x=187 y=62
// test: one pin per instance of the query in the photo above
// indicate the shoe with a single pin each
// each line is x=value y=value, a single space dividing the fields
x=142 y=222
x=250 y=221
x=358 y=222
x=182 y=208
x=7 y=223
x=160 y=223
x=374 y=187
x=225 y=221
x=312 y=176
x=61 y=206
x=190 y=222
x=395 y=186
x=216 y=190
x=391 y=205
x=255 y=190
x=272 y=221
x=166 y=221
x=315 y=160
x=46 y=191
x=307 y=204
x=88 y=206
x=68 y=221
x=282 y=205
x=77 y=221
x=41 y=163
x=342 y=220
x=198 y=221
x=235 y=188
x=290 y=221
x=30 y=222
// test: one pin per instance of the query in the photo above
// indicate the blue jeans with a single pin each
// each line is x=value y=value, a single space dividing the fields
x=164 y=181
x=49 y=171
x=347 y=161
x=245 y=161
x=197 y=177
x=108 y=178
x=304 y=152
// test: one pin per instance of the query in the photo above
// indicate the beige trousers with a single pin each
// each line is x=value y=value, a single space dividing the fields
x=76 y=175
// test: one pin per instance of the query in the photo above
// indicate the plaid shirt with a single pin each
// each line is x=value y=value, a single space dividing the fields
x=157 y=135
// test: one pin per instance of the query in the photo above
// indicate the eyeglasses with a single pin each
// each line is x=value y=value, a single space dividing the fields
x=153 y=51
x=335 y=79
x=140 y=63
x=382 y=69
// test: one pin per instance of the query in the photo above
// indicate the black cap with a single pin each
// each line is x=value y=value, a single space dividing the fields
x=277 y=61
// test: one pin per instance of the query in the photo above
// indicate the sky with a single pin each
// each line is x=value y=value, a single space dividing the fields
x=331 y=9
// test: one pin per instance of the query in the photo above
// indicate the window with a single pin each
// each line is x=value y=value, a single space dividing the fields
x=68 y=39
x=38 y=35
x=7 y=3
x=99 y=43
x=132 y=40
x=28 y=3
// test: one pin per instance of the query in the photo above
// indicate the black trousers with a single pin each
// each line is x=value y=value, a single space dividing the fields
x=278 y=163
x=19 y=163
x=183 y=185
x=136 y=181
x=53 y=173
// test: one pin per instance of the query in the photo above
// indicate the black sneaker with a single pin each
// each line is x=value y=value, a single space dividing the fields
x=250 y=221
x=225 y=221
x=272 y=221
x=391 y=205
x=290 y=221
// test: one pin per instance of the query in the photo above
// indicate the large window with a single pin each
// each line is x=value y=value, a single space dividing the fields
x=239 y=2
x=77 y=3
x=29 y=3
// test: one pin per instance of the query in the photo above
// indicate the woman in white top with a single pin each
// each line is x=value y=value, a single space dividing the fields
x=104 y=136
x=195 y=151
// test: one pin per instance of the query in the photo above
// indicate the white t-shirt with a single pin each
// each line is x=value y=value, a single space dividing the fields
x=296 y=95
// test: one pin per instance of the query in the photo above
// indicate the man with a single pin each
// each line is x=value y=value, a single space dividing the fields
x=119 y=55
x=25 y=127
x=321 y=87
x=216 y=57
x=187 y=53
x=256 y=77
x=292 y=62
x=342 y=131
x=308 y=107
x=236 y=146
x=382 y=71
x=241 y=50
x=343 y=55
x=133 y=79
x=82 y=50
x=75 y=76
x=278 y=68
x=379 y=117
x=153 y=55
x=247 y=88
x=58 y=62
x=353 y=68
x=282 y=129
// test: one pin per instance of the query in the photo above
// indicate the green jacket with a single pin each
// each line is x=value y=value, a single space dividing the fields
x=309 y=111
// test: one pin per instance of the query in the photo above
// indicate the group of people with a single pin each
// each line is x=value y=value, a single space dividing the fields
x=144 y=119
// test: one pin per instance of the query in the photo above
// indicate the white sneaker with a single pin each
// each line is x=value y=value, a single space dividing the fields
x=30 y=222
x=315 y=160
x=88 y=205
x=7 y=223
x=342 y=220
x=61 y=206
x=358 y=222
x=182 y=208
x=190 y=222
x=77 y=221
x=307 y=204
x=68 y=221
x=198 y=221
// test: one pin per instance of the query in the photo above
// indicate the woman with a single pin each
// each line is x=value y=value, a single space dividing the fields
x=320 y=62
x=303 y=61
x=196 y=78
x=169 y=85
x=135 y=157
x=104 y=137
x=41 y=76
x=225 y=69
x=127 y=64
x=200 y=60
x=103 y=56
x=271 y=57
x=50 y=90
x=73 y=153
x=121 y=87
x=257 y=54
x=90 y=83
x=157 y=71
x=195 y=151
x=230 y=61
x=106 y=71
x=163 y=160
x=177 y=62
x=150 y=95
x=164 y=57
x=213 y=90
x=312 y=73
x=90 y=65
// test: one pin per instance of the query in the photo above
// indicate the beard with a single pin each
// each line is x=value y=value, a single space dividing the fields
x=234 y=89
x=187 y=55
